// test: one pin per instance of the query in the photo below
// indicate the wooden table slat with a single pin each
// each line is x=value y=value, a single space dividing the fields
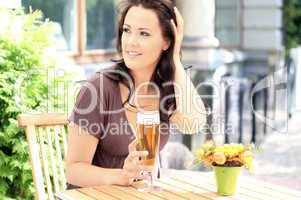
x=201 y=192
x=273 y=187
x=76 y=195
x=266 y=189
x=166 y=194
x=97 y=194
x=211 y=187
x=184 y=194
x=142 y=195
x=116 y=193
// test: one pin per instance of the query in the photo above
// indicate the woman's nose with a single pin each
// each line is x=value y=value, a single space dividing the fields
x=133 y=40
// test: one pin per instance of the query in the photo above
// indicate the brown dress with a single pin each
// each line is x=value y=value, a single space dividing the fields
x=99 y=95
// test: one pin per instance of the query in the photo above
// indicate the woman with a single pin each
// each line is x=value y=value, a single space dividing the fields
x=149 y=39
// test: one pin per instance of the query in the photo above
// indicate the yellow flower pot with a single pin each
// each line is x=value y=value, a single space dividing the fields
x=226 y=180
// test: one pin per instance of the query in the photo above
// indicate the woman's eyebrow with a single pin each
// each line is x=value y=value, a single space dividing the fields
x=141 y=28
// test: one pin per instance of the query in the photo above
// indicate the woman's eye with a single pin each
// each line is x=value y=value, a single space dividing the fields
x=144 y=33
x=126 y=30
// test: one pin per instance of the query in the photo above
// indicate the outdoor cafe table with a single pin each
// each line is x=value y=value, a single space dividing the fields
x=180 y=184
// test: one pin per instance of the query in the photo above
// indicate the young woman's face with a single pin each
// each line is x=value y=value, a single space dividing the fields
x=142 y=41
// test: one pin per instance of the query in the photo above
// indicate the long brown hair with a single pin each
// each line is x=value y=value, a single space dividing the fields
x=165 y=69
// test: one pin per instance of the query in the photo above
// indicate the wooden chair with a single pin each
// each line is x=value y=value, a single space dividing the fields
x=46 y=136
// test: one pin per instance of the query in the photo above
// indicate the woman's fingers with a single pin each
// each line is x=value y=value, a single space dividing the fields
x=138 y=171
x=133 y=160
x=132 y=145
x=178 y=32
x=179 y=28
x=145 y=168
x=133 y=167
x=174 y=27
x=179 y=18
x=135 y=155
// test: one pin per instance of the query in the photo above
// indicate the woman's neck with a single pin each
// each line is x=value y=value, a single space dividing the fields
x=142 y=77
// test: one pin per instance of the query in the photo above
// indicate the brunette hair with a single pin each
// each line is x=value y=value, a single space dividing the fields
x=165 y=69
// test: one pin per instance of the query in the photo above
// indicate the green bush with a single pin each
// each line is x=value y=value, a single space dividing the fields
x=21 y=59
x=292 y=23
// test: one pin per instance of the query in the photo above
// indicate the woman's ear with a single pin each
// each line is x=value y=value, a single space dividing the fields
x=166 y=45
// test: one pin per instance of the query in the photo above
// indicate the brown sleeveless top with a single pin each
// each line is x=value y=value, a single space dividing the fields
x=99 y=111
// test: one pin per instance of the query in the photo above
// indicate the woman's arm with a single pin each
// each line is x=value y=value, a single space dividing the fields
x=190 y=115
x=79 y=170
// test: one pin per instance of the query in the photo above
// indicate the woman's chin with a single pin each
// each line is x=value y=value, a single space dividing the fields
x=133 y=65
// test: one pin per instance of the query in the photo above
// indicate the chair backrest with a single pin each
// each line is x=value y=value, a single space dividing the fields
x=47 y=139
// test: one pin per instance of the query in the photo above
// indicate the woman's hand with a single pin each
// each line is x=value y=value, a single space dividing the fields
x=133 y=168
x=179 y=33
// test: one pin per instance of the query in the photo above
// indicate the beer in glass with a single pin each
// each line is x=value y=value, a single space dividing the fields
x=148 y=138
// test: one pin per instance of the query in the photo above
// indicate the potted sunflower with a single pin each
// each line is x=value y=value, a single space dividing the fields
x=227 y=161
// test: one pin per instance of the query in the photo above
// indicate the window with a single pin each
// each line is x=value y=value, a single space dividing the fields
x=84 y=28
x=100 y=24
x=228 y=22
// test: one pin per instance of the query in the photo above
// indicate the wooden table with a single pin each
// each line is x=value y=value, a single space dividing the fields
x=179 y=185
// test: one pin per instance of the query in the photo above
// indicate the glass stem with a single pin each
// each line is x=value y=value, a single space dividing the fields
x=150 y=182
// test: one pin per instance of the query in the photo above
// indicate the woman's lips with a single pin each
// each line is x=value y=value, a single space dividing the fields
x=133 y=54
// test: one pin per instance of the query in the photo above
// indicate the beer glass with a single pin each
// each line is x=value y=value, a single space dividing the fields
x=148 y=138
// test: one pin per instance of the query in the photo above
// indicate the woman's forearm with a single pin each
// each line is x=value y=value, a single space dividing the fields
x=188 y=101
x=191 y=115
x=87 y=175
